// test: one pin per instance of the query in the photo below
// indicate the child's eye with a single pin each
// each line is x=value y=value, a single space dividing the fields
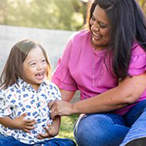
x=32 y=64
x=44 y=60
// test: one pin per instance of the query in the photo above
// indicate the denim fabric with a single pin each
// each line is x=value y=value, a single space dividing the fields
x=10 y=141
x=109 y=129
x=60 y=142
x=137 y=120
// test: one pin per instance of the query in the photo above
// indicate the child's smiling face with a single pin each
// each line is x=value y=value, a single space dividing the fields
x=35 y=67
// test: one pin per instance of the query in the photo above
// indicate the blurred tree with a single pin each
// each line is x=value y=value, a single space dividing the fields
x=50 y=14
x=3 y=11
x=143 y=5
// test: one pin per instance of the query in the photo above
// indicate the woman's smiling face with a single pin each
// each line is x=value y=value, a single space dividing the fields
x=100 y=28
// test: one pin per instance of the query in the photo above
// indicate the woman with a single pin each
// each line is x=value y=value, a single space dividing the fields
x=107 y=63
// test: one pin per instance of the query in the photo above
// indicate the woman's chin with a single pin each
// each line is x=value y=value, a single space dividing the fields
x=96 y=42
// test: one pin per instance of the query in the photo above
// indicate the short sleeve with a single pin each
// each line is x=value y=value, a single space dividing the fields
x=5 y=108
x=138 y=61
x=1 y=99
x=62 y=76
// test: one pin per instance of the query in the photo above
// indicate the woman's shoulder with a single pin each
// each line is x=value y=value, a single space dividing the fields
x=74 y=45
x=137 y=64
x=137 y=49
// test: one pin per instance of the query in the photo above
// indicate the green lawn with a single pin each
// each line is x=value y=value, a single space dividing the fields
x=67 y=124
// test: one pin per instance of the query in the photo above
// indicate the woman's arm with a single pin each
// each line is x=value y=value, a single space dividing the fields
x=66 y=95
x=61 y=107
x=126 y=93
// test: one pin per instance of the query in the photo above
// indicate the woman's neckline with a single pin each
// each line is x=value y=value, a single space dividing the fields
x=98 y=50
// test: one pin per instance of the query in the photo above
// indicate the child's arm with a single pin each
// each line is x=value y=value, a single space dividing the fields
x=5 y=110
x=51 y=130
x=18 y=123
x=54 y=128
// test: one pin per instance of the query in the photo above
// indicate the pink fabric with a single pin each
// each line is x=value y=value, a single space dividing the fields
x=82 y=68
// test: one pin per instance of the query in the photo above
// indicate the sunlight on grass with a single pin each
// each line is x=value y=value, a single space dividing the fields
x=67 y=125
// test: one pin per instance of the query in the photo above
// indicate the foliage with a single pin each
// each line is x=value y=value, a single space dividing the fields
x=52 y=14
x=142 y=3
x=49 y=14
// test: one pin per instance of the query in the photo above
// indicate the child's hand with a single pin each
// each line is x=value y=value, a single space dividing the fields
x=23 y=124
x=51 y=131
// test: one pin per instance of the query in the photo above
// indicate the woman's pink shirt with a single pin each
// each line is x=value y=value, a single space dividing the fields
x=83 y=68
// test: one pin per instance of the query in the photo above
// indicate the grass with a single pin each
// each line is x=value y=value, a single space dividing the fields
x=67 y=125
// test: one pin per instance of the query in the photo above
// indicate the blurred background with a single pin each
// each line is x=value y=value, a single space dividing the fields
x=51 y=22
x=48 y=14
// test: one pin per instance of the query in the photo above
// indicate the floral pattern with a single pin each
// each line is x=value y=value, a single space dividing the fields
x=22 y=98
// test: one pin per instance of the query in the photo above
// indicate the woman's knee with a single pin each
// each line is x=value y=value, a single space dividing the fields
x=94 y=129
x=88 y=129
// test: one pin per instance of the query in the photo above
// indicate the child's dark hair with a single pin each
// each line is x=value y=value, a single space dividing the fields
x=14 y=66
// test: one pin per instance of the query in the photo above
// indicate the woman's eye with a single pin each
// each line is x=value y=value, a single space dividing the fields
x=93 y=19
x=102 y=25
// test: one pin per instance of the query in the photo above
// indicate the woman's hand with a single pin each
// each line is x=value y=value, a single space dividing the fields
x=51 y=131
x=23 y=124
x=60 y=108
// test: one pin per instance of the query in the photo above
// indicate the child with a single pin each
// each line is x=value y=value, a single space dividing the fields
x=25 y=93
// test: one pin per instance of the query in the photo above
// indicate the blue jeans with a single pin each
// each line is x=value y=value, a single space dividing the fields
x=109 y=129
x=10 y=141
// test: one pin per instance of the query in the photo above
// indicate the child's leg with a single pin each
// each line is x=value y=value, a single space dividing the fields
x=60 y=142
x=10 y=141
